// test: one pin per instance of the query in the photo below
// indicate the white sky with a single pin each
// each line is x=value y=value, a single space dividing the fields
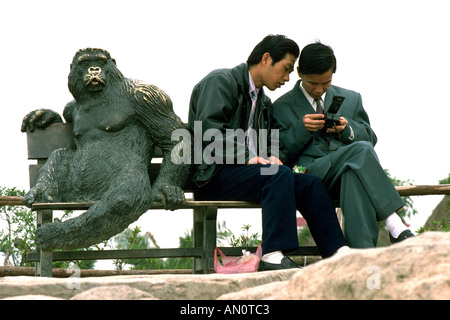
x=395 y=53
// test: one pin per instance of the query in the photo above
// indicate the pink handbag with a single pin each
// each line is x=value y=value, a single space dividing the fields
x=248 y=262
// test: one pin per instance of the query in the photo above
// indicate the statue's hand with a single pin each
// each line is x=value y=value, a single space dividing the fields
x=36 y=195
x=171 y=196
x=40 y=118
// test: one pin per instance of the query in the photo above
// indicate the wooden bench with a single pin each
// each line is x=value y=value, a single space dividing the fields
x=42 y=142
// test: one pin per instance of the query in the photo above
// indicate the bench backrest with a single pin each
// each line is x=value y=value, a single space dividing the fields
x=41 y=143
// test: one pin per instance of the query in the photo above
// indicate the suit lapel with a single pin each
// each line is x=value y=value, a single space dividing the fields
x=302 y=100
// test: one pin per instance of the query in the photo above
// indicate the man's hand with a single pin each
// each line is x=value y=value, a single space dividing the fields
x=342 y=124
x=261 y=160
x=313 y=122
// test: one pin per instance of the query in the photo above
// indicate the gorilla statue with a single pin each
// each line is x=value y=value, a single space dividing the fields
x=117 y=122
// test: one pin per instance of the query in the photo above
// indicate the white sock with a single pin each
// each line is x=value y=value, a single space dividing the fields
x=395 y=225
x=273 y=257
x=343 y=249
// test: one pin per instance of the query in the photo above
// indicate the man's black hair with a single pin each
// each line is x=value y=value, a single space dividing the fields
x=316 y=58
x=277 y=46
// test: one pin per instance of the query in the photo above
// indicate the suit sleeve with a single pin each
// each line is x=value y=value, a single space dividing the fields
x=358 y=128
x=214 y=105
x=293 y=134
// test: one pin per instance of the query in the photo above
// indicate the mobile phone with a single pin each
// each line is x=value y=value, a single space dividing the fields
x=336 y=104
x=332 y=117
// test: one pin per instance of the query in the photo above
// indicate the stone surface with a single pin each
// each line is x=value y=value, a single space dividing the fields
x=119 y=292
x=173 y=287
x=418 y=268
x=32 y=297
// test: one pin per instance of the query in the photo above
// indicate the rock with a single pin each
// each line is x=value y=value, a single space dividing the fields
x=166 y=287
x=32 y=297
x=121 y=292
x=438 y=213
x=263 y=292
x=417 y=268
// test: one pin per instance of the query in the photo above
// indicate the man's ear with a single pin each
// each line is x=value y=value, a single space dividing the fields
x=266 y=59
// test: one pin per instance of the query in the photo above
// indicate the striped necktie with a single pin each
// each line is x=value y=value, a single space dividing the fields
x=319 y=105
x=249 y=137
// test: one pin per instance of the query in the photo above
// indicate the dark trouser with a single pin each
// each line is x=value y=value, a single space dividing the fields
x=280 y=195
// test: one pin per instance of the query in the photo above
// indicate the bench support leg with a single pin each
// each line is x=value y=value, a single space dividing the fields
x=44 y=266
x=205 y=232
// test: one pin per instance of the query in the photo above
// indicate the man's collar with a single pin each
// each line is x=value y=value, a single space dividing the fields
x=252 y=87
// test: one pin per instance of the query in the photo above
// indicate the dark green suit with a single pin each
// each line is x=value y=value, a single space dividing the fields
x=346 y=162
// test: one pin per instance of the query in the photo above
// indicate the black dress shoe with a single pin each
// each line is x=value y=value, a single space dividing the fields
x=402 y=236
x=286 y=263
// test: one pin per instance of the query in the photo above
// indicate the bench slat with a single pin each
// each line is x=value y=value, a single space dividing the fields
x=120 y=254
x=190 y=204
x=422 y=190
